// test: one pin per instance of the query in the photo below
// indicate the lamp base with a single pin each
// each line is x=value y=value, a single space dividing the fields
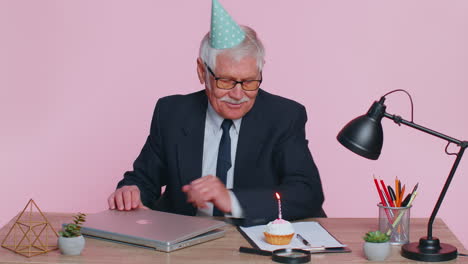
x=430 y=250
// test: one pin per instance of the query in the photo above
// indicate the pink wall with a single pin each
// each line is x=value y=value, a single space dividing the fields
x=79 y=80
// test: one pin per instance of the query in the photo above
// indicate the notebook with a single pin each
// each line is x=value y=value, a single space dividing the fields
x=320 y=239
x=154 y=229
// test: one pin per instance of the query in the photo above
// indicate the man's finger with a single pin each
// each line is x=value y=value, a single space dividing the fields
x=111 y=201
x=202 y=185
x=197 y=192
x=135 y=194
x=202 y=179
x=195 y=198
x=119 y=200
x=202 y=205
x=186 y=188
x=199 y=202
x=189 y=197
x=127 y=199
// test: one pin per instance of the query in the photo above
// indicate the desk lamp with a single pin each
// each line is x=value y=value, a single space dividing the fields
x=364 y=136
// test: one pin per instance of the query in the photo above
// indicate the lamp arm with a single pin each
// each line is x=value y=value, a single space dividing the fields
x=463 y=145
x=399 y=120
x=444 y=191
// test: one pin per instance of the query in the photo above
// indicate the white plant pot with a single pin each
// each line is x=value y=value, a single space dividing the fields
x=71 y=245
x=377 y=251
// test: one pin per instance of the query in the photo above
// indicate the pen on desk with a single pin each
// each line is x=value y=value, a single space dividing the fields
x=303 y=240
x=309 y=247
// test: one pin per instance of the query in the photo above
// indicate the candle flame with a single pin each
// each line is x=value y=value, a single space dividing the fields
x=278 y=196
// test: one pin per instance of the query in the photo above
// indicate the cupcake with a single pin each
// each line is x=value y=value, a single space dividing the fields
x=279 y=232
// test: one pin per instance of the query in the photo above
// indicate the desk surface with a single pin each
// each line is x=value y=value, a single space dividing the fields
x=226 y=250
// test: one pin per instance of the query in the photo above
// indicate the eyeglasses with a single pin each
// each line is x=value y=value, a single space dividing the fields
x=228 y=84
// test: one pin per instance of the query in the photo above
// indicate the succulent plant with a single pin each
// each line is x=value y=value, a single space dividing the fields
x=376 y=237
x=74 y=229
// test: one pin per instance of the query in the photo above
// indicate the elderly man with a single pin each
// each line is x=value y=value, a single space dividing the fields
x=227 y=149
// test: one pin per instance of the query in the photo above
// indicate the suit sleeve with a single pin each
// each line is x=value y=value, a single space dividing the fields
x=150 y=166
x=299 y=180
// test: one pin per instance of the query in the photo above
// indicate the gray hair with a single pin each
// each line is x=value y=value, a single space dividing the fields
x=250 y=46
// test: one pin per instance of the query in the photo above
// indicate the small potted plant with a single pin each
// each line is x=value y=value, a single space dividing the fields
x=70 y=241
x=377 y=246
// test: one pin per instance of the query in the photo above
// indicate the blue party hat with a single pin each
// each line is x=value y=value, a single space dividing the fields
x=225 y=32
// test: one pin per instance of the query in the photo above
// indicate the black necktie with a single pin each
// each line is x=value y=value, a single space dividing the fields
x=224 y=157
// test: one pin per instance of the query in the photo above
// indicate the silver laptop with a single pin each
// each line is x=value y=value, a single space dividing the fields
x=161 y=231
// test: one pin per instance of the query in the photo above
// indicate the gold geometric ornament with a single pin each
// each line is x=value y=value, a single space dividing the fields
x=31 y=234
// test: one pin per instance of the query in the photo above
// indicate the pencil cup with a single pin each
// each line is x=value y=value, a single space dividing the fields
x=395 y=221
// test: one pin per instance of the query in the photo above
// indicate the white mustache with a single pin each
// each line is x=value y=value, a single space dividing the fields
x=233 y=101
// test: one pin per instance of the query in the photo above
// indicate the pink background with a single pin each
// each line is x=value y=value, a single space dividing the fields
x=79 y=80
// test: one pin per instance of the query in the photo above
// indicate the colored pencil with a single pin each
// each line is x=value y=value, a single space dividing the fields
x=382 y=200
x=398 y=219
x=389 y=198
x=402 y=194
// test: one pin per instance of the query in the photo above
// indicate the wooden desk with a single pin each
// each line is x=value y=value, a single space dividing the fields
x=226 y=250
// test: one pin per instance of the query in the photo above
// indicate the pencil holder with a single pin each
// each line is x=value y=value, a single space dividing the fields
x=395 y=222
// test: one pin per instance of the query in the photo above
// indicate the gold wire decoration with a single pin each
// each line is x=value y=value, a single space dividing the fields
x=31 y=233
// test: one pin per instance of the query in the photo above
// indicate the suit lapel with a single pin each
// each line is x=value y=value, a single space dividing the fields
x=249 y=144
x=190 y=147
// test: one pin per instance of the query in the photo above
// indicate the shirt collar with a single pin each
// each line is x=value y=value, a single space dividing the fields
x=216 y=120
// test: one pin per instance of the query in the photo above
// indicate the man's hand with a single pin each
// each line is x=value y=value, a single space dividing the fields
x=126 y=198
x=208 y=189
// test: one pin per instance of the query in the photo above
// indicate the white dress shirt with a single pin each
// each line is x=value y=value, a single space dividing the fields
x=213 y=133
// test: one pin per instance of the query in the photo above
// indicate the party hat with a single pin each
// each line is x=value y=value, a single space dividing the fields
x=225 y=32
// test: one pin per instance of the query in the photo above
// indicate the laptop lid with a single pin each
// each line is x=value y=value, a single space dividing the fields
x=155 y=229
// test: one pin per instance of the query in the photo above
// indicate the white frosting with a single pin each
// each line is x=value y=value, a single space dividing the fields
x=279 y=227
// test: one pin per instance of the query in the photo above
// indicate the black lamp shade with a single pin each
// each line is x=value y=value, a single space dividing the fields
x=364 y=135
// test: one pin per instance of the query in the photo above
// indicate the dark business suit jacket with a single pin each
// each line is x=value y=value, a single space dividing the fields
x=272 y=156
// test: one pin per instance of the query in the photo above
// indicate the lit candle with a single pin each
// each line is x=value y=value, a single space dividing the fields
x=279 y=206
